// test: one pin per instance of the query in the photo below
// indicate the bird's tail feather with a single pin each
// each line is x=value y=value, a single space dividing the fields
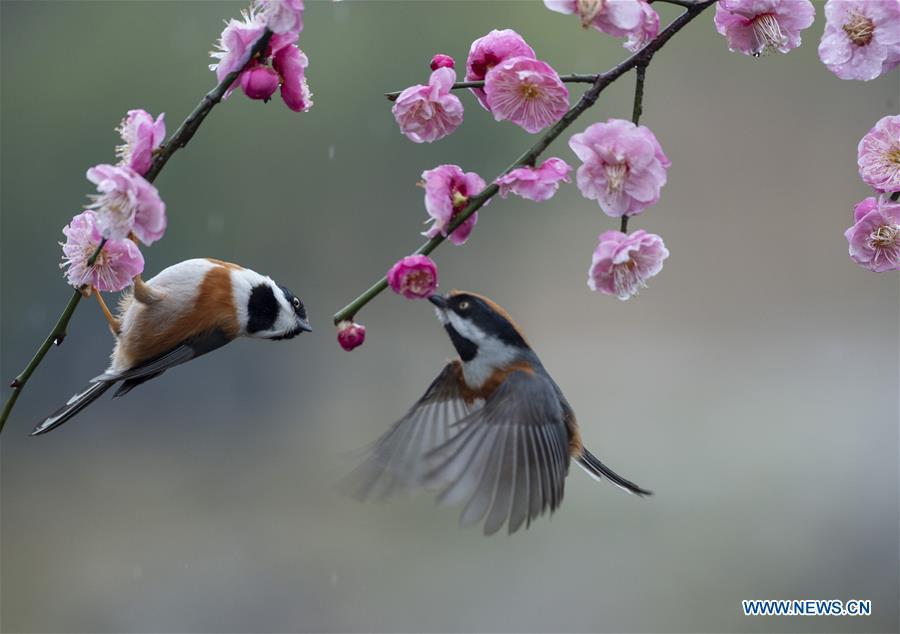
x=88 y=395
x=597 y=470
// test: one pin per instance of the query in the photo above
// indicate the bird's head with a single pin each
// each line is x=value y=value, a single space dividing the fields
x=274 y=312
x=481 y=331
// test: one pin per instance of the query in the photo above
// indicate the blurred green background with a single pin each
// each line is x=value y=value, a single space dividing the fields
x=753 y=386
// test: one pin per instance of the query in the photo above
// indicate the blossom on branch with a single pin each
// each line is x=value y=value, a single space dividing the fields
x=527 y=92
x=414 y=277
x=623 y=166
x=116 y=265
x=879 y=155
x=447 y=193
x=861 y=38
x=632 y=19
x=622 y=263
x=281 y=16
x=350 y=335
x=291 y=63
x=442 y=61
x=488 y=51
x=260 y=82
x=874 y=238
x=428 y=113
x=141 y=136
x=647 y=29
x=758 y=27
x=126 y=203
x=535 y=183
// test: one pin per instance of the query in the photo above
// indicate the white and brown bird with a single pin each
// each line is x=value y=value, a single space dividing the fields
x=187 y=310
x=493 y=431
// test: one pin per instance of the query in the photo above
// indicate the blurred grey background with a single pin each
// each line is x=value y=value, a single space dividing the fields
x=753 y=386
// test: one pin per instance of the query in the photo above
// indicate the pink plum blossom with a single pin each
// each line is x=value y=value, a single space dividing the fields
x=127 y=203
x=442 y=61
x=879 y=155
x=234 y=45
x=622 y=264
x=260 y=82
x=619 y=18
x=874 y=238
x=861 y=38
x=623 y=166
x=141 y=136
x=291 y=63
x=758 y=27
x=535 y=183
x=116 y=265
x=350 y=335
x=414 y=277
x=281 y=16
x=447 y=192
x=647 y=30
x=428 y=113
x=527 y=92
x=488 y=51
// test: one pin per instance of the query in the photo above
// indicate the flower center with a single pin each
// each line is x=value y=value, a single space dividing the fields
x=588 y=10
x=885 y=242
x=627 y=279
x=615 y=177
x=529 y=91
x=859 y=28
x=459 y=201
x=893 y=155
x=768 y=34
x=418 y=281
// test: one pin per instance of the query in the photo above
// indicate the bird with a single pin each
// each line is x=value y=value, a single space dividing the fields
x=493 y=431
x=185 y=311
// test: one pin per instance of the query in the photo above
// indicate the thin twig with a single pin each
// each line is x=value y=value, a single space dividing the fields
x=572 y=78
x=640 y=73
x=588 y=99
x=178 y=140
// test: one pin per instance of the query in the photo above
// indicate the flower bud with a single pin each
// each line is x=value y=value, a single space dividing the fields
x=350 y=335
x=260 y=82
x=414 y=277
x=442 y=61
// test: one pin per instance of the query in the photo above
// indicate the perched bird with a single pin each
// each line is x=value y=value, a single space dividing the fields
x=493 y=430
x=187 y=310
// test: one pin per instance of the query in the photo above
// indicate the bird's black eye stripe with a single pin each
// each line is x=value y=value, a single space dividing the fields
x=262 y=309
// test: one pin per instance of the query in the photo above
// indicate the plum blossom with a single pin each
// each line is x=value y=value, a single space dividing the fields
x=622 y=264
x=861 y=38
x=235 y=43
x=260 y=82
x=116 y=264
x=879 y=155
x=291 y=63
x=874 y=239
x=428 y=113
x=141 y=136
x=414 y=277
x=647 y=29
x=126 y=203
x=442 y=61
x=281 y=16
x=350 y=335
x=759 y=27
x=623 y=166
x=488 y=51
x=447 y=192
x=527 y=92
x=619 y=18
x=535 y=183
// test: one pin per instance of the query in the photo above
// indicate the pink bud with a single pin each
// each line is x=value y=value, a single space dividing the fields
x=442 y=61
x=350 y=335
x=260 y=82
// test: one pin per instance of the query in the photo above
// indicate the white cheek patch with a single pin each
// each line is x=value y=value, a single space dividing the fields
x=466 y=328
x=441 y=315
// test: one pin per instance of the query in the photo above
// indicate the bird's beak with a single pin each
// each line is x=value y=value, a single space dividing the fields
x=303 y=325
x=438 y=300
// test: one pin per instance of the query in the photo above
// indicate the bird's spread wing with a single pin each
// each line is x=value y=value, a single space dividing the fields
x=397 y=462
x=507 y=460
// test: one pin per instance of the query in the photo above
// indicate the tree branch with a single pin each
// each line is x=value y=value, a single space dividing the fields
x=588 y=99
x=178 y=140
x=572 y=78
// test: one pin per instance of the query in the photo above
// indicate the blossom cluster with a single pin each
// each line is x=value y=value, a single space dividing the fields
x=282 y=63
x=874 y=238
x=127 y=208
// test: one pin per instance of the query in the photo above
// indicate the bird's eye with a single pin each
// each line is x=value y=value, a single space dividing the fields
x=464 y=305
x=296 y=302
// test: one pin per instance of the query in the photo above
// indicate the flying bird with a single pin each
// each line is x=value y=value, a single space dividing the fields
x=187 y=310
x=493 y=431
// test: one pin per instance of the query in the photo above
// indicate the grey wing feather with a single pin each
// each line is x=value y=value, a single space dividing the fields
x=509 y=459
x=397 y=461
